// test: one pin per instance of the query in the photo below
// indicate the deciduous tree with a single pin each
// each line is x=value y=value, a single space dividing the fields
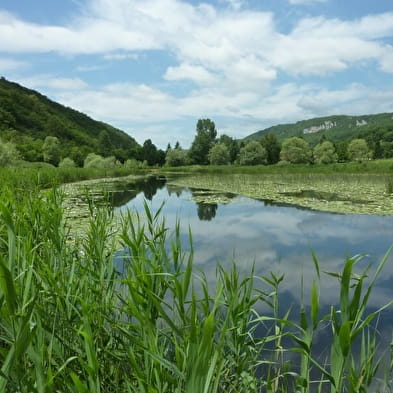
x=253 y=153
x=325 y=153
x=175 y=157
x=203 y=141
x=296 y=151
x=219 y=155
x=51 y=150
x=273 y=148
x=358 y=150
x=8 y=153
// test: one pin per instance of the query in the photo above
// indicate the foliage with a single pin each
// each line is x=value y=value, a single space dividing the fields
x=67 y=162
x=203 y=141
x=232 y=146
x=51 y=150
x=27 y=118
x=151 y=154
x=296 y=151
x=358 y=150
x=81 y=317
x=324 y=153
x=96 y=161
x=8 y=154
x=340 y=128
x=219 y=154
x=133 y=164
x=253 y=153
x=176 y=157
x=273 y=148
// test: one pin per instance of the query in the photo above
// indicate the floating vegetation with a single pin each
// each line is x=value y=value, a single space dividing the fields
x=211 y=197
x=340 y=193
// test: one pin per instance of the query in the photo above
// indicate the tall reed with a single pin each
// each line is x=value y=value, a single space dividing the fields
x=90 y=316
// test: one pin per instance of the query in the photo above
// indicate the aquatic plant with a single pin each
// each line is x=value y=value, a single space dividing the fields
x=89 y=316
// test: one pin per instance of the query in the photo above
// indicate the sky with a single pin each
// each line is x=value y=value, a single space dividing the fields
x=154 y=67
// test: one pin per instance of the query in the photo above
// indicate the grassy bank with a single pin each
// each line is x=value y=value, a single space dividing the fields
x=46 y=177
x=81 y=317
x=376 y=166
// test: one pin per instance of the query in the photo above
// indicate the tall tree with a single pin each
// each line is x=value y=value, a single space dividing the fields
x=51 y=150
x=149 y=152
x=232 y=145
x=273 y=148
x=104 y=144
x=203 y=141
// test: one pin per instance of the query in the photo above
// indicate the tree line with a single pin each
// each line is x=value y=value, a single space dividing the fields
x=206 y=149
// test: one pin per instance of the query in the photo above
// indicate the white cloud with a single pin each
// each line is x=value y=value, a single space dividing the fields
x=297 y=2
x=54 y=83
x=121 y=56
x=235 y=4
x=205 y=36
x=89 y=68
x=190 y=72
x=387 y=59
x=7 y=64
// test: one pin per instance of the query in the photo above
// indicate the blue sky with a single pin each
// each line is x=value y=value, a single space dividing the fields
x=154 y=67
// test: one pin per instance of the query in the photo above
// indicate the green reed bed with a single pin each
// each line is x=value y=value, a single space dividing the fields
x=46 y=177
x=86 y=317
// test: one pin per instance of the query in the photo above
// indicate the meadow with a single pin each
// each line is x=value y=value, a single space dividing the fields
x=90 y=316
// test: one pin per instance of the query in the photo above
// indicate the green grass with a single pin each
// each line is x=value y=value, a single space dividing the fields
x=71 y=321
x=375 y=166
x=48 y=176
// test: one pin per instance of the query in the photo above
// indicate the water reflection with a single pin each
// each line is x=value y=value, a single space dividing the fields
x=207 y=211
x=123 y=192
x=274 y=238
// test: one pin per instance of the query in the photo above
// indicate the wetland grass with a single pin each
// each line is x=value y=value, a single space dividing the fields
x=81 y=317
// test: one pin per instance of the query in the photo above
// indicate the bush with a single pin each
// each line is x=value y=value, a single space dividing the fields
x=8 y=154
x=67 y=163
x=252 y=154
x=219 y=155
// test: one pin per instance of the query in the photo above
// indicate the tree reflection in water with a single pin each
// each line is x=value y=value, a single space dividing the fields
x=207 y=211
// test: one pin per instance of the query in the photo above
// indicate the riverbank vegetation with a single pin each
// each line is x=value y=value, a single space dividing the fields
x=89 y=316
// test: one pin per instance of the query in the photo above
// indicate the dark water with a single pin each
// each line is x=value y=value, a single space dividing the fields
x=276 y=239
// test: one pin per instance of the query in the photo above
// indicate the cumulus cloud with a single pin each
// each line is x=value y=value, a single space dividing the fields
x=54 y=83
x=205 y=36
x=7 y=64
x=235 y=57
x=297 y=2
x=189 y=72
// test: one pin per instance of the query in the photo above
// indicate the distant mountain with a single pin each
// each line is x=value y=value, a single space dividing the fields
x=335 y=128
x=27 y=118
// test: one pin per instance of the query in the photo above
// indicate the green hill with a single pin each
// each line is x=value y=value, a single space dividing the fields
x=27 y=118
x=335 y=128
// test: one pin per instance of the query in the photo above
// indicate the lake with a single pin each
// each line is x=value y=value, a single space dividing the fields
x=274 y=238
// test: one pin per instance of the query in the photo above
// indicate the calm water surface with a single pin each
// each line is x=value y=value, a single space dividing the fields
x=276 y=239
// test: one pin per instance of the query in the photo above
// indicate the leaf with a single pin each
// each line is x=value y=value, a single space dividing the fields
x=345 y=338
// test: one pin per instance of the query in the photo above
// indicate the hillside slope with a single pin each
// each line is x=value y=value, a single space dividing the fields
x=335 y=128
x=27 y=118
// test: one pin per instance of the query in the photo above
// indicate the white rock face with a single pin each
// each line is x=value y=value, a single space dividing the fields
x=360 y=123
x=324 y=126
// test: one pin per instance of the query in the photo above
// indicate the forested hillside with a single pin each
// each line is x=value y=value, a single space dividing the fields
x=27 y=118
x=333 y=128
